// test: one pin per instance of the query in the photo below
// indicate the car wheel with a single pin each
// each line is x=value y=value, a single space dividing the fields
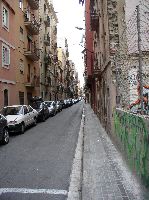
x=35 y=121
x=5 y=139
x=43 y=118
x=22 y=128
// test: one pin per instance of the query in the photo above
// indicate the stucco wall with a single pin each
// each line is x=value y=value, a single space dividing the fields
x=132 y=132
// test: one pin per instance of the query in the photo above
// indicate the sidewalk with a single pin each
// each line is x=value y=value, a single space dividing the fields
x=105 y=174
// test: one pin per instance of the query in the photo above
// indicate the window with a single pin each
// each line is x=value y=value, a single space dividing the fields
x=21 y=66
x=21 y=34
x=21 y=4
x=5 y=56
x=21 y=98
x=45 y=8
x=5 y=18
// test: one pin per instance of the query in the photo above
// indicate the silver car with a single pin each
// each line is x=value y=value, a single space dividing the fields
x=52 y=107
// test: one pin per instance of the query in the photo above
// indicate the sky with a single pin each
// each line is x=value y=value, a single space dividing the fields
x=70 y=15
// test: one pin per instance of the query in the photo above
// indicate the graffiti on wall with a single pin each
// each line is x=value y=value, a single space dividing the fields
x=133 y=133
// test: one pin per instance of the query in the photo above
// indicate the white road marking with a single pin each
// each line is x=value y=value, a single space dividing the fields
x=32 y=191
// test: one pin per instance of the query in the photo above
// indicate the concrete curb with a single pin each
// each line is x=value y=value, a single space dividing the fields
x=74 y=192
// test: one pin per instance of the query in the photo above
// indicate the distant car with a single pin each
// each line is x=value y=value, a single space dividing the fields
x=19 y=117
x=39 y=105
x=59 y=106
x=4 y=133
x=66 y=103
x=52 y=107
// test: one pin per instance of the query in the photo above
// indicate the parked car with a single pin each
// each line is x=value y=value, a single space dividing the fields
x=66 y=103
x=19 y=117
x=39 y=105
x=4 y=133
x=59 y=106
x=52 y=107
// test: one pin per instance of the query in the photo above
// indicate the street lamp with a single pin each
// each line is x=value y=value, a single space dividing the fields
x=80 y=28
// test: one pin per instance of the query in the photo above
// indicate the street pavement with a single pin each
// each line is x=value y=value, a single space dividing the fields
x=67 y=156
x=106 y=175
x=37 y=164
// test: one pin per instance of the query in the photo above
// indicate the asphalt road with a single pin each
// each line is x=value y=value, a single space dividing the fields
x=37 y=165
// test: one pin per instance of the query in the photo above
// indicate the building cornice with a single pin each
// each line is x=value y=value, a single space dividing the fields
x=7 y=81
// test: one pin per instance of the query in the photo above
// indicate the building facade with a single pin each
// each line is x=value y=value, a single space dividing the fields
x=27 y=50
x=7 y=53
x=103 y=20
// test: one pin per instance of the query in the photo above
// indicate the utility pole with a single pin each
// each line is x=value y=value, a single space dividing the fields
x=140 y=56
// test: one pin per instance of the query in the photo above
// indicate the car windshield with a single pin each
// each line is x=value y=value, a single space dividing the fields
x=48 y=103
x=11 y=110
x=36 y=104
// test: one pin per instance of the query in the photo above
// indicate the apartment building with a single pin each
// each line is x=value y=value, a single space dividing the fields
x=62 y=60
x=45 y=56
x=53 y=53
x=88 y=59
x=27 y=50
x=7 y=53
x=103 y=20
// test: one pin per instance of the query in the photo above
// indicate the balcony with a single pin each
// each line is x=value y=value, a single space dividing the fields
x=30 y=81
x=47 y=59
x=34 y=4
x=47 y=39
x=94 y=22
x=96 y=72
x=55 y=58
x=31 y=23
x=47 y=21
x=32 y=52
x=54 y=30
x=97 y=69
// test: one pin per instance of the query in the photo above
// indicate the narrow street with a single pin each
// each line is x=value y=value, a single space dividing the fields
x=41 y=158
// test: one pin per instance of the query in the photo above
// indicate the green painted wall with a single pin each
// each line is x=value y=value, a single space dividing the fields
x=132 y=132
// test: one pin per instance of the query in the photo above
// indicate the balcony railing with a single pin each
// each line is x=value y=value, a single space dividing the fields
x=96 y=69
x=32 y=52
x=34 y=4
x=47 y=39
x=31 y=23
x=55 y=58
x=96 y=72
x=47 y=21
x=47 y=59
x=94 y=21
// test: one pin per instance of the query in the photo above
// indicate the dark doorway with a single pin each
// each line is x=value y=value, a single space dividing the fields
x=5 y=97
x=29 y=97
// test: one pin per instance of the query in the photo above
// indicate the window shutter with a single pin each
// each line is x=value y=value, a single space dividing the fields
x=8 y=56
x=3 y=15
x=5 y=18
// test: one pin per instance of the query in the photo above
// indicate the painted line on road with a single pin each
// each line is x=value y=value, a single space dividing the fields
x=32 y=191
x=75 y=187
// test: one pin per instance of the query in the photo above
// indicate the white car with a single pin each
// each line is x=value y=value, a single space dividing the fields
x=19 y=117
